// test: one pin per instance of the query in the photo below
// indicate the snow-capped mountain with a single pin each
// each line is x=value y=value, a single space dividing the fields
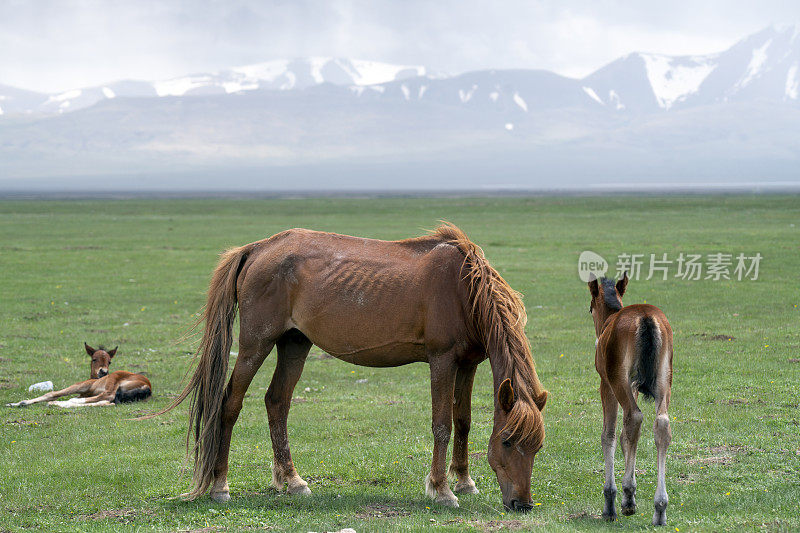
x=283 y=74
x=728 y=115
x=763 y=66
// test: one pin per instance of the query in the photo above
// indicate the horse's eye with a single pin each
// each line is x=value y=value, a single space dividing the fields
x=507 y=444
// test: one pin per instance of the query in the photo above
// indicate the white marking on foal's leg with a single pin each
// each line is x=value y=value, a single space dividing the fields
x=67 y=404
x=663 y=437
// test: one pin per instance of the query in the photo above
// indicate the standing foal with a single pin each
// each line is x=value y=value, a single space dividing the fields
x=633 y=355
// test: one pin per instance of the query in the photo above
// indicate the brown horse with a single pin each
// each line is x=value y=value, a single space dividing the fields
x=633 y=355
x=432 y=299
x=102 y=389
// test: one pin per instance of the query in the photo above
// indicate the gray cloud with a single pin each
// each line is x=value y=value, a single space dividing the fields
x=55 y=45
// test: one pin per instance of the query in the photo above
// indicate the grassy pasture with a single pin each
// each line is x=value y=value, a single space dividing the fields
x=133 y=273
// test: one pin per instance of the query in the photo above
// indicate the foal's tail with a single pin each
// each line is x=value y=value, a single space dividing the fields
x=207 y=385
x=648 y=348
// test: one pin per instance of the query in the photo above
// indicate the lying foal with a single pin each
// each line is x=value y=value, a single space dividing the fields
x=102 y=389
x=633 y=355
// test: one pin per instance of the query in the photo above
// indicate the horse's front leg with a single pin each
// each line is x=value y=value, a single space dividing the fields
x=443 y=373
x=462 y=418
x=251 y=356
x=293 y=349
x=78 y=388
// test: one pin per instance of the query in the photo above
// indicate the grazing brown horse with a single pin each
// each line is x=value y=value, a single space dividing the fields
x=633 y=355
x=432 y=299
x=102 y=389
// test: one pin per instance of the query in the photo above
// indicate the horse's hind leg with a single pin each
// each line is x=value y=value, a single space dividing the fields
x=251 y=356
x=609 y=441
x=663 y=436
x=631 y=430
x=293 y=348
x=443 y=373
x=462 y=418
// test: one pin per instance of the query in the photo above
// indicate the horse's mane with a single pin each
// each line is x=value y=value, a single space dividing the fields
x=499 y=325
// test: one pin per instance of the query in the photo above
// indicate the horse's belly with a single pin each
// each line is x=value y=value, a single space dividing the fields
x=385 y=355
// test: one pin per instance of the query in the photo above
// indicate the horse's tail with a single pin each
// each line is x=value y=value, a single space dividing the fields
x=207 y=384
x=648 y=347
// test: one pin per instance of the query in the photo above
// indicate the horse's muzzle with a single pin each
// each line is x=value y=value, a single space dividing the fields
x=522 y=507
x=102 y=373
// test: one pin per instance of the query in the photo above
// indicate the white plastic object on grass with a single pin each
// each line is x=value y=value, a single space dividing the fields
x=43 y=386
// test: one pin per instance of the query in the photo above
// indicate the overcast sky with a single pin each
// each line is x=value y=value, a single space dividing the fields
x=54 y=45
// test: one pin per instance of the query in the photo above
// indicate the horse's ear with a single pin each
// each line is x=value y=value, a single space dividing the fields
x=505 y=396
x=622 y=284
x=593 y=288
x=541 y=400
x=89 y=349
x=112 y=352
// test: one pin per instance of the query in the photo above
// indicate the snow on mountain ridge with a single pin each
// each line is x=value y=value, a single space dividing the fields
x=674 y=78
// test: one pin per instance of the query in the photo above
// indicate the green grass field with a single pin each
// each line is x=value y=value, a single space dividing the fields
x=133 y=273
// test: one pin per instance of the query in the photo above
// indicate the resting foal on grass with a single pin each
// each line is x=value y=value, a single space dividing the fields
x=102 y=389
x=633 y=355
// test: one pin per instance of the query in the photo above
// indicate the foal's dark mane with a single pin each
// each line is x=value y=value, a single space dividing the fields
x=499 y=325
x=610 y=293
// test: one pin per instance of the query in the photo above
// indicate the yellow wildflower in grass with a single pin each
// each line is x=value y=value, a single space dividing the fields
x=562 y=355
x=727 y=494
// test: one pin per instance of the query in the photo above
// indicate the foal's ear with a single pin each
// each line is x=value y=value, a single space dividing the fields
x=541 y=400
x=622 y=284
x=89 y=349
x=505 y=396
x=593 y=288
x=112 y=352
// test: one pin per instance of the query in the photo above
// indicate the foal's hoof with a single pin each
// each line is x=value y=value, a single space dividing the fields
x=466 y=487
x=629 y=511
x=609 y=517
x=660 y=515
x=18 y=404
x=221 y=497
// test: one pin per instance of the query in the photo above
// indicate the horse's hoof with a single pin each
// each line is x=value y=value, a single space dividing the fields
x=609 y=517
x=466 y=488
x=659 y=519
x=221 y=497
x=447 y=501
x=299 y=489
x=628 y=511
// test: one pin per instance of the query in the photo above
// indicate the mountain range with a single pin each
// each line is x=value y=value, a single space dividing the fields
x=333 y=123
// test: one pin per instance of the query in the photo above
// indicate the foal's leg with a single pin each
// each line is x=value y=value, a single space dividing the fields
x=443 y=373
x=101 y=400
x=609 y=441
x=462 y=418
x=293 y=348
x=663 y=435
x=631 y=429
x=251 y=356
x=78 y=388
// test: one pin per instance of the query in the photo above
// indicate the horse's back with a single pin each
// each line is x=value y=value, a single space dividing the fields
x=352 y=296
